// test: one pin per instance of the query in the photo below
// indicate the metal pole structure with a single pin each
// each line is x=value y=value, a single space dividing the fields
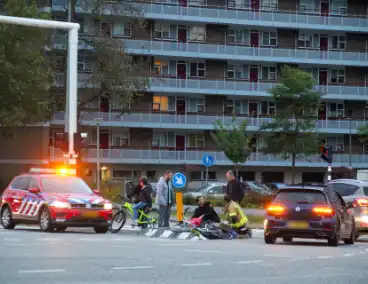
x=72 y=72
x=329 y=173
x=98 y=166
x=206 y=177
x=350 y=138
x=67 y=101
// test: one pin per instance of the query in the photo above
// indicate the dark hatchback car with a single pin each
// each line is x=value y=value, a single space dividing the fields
x=309 y=212
x=355 y=194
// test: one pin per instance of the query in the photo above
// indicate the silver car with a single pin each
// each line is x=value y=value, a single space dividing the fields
x=210 y=191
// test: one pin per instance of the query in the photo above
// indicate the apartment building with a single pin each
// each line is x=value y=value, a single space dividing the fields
x=212 y=58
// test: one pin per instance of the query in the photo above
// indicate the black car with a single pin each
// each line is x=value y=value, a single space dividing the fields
x=355 y=194
x=309 y=212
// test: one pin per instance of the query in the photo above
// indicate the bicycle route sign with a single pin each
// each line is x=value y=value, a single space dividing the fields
x=208 y=160
x=179 y=180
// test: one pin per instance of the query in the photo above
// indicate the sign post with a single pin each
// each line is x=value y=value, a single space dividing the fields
x=207 y=161
x=179 y=181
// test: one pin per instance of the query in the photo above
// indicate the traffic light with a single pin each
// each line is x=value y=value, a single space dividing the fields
x=327 y=154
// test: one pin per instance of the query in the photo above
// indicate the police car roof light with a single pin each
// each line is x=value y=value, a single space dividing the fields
x=61 y=171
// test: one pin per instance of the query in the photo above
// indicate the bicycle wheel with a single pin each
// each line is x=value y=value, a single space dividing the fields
x=120 y=219
x=154 y=214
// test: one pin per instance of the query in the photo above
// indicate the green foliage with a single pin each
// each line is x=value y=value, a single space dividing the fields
x=294 y=132
x=233 y=140
x=25 y=77
x=363 y=133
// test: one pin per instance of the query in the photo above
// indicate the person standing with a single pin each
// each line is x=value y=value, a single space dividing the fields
x=164 y=197
x=234 y=187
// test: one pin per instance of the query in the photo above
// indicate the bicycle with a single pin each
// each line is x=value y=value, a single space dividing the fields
x=145 y=219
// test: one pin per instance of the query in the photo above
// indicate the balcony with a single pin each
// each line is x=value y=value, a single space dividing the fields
x=196 y=121
x=230 y=16
x=227 y=87
x=245 y=53
x=164 y=157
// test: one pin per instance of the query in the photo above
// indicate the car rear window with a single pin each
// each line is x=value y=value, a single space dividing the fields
x=300 y=197
x=345 y=189
x=64 y=184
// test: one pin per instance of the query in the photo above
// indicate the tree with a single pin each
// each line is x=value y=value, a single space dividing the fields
x=25 y=69
x=294 y=132
x=113 y=73
x=363 y=133
x=233 y=140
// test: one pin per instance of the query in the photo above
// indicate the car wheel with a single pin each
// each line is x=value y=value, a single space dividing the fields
x=335 y=240
x=45 y=220
x=101 y=229
x=351 y=240
x=287 y=239
x=269 y=239
x=7 y=219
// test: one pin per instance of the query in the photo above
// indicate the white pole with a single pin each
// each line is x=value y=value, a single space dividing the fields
x=72 y=72
x=98 y=166
x=329 y=173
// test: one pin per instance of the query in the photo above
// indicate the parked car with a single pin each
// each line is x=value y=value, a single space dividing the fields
x=257 y=187
x=275 y=186
x=212 y=190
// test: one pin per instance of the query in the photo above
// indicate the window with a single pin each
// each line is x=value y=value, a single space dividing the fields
x=165 y=31
x=151 y=175
x=20 y=183
x=303 y=5
x=120 y=138
x=242 y=4
x=365 y=148
x=121 y=30
x=106 y=29
x=344 y=189
x=85 y=63
x=237 y=72
x=196 y=140
x=163 y=103
x=338 y=7
x=308 y=41
x=270 y=5
x=201 y=175
x=269 y=38
x=268 y=108
x=163 y=139
x=238 y=36
x=196 y=105
x=198 y=3
x=197 y=33
x=236 y=106
x=269 y=73
x=338 y=42
x=164 y=67
x=118 y=174
x=197 y=69
x=336 y=110
x=337 y=143
x=365 y=191
x=92 y=137
x=33 y=183
x=64 y=184
x=337 y=76
x=300 y=197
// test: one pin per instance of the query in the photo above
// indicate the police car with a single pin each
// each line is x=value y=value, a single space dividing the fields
x=54 y=199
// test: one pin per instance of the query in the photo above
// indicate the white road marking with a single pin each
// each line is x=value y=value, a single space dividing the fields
x=324 y=257
x=41 y=271
x=204 y=251
x=131 y=267
x=12 y=240
x=349 y=254
x=183 y=236
x=24 y=245
x=197 y=264
x=150 y=233
x=250 y=261
x=363 y=252
x=166 y=234
x=173 y=245
x=278 y=255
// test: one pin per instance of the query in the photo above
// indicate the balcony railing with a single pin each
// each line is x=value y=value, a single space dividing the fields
x=196 y=121
x=244 y=53
x=226 y=87
x=201 y=12
x=127 y=156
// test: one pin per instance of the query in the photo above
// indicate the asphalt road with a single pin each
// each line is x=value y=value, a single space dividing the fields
x=28 y=256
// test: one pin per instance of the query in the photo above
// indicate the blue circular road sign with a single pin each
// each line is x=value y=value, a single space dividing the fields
x=179 y=180
x=208 y=160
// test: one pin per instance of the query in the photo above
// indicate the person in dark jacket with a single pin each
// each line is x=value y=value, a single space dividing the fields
x=144 y=197
x=234 y=187
x=206 y=210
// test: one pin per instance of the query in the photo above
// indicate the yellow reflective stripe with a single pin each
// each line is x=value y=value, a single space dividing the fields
x=232 y=214
x=241 y=223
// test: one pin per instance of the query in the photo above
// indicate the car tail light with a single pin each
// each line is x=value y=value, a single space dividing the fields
x=276 y=209
x=363 y=202
x=322 y=210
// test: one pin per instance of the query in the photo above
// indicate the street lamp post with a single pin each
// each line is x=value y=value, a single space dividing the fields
x=98 y=166
x=350 y=140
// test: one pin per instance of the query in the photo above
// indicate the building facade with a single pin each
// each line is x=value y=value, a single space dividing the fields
x=212 y=58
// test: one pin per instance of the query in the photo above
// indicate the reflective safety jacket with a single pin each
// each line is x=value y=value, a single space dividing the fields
x=233 y=209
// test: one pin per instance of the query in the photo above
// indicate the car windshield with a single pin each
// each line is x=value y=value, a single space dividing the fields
x=64 y=184
x=300 y=197
x=258 y=186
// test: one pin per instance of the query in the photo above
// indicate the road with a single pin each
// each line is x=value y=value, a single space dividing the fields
x=29 y=256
